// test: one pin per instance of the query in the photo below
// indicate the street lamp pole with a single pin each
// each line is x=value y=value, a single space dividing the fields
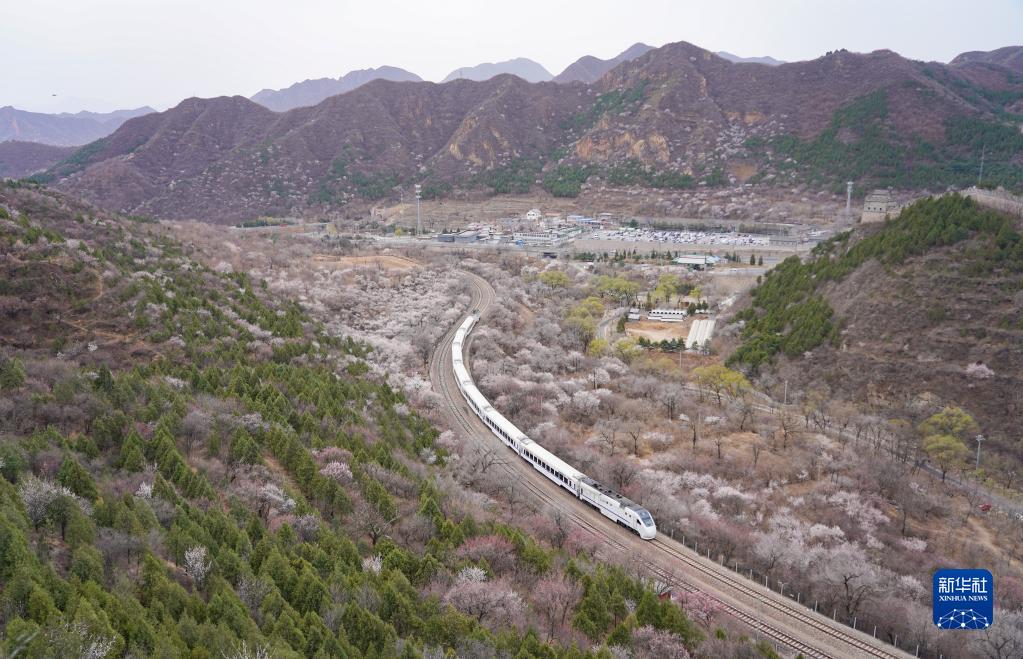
x=980 y=438
x=419 y=218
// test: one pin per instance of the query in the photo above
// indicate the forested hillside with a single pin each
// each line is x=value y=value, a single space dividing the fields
x=192 y=468
x=919 y=311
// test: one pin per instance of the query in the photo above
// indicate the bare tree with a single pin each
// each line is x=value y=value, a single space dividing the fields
x=368 y=521
x=692 y=419
x=745 y=406
x=423 y=343
x=1004 y=640
x=622 y=473
x=670 y=395
x=634 y=431
x=251 y=591
x=483 y=459
x=972 y=496
x=851 y=577
x=195 y=429
x=787 y=424
x=607 y=434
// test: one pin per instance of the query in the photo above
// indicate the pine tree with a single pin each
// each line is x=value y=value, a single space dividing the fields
x=74 y=477
x=12 y=373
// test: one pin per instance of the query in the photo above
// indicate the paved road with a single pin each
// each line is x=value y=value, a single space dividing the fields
x=604 y=330
x=767 y=612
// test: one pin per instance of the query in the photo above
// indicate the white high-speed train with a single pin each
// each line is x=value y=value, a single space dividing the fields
x=609 y=502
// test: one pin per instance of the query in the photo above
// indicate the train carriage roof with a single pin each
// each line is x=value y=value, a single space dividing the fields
x=623 y=500
x=554 y=461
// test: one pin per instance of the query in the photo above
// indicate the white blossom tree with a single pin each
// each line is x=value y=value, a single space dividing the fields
x=197 y=564
x=75 y=639
x=337 y=471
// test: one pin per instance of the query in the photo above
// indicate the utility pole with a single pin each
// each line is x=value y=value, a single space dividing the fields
x=419 y=218
x=980 y=176
x=980 y=438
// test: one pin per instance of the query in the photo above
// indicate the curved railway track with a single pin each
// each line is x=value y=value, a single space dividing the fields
x=763 y=610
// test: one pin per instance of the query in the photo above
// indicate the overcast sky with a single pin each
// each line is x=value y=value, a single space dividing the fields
x=107 y=54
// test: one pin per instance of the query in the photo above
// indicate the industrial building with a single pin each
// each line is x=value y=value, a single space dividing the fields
x=696 y=261
x=469 y=236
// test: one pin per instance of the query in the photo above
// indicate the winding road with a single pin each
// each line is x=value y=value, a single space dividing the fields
x=767 y=613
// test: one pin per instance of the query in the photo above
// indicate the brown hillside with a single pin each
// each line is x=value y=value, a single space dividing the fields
x=20 y=159
x=677 y=108
x=938 y=329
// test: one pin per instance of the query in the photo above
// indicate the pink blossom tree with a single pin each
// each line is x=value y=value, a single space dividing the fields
x=496 y=550
x=553 y=598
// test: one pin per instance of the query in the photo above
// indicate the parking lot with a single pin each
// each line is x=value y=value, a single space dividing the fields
x=730 y=240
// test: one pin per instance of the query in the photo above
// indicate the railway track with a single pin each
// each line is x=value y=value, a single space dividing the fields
x=764 y=611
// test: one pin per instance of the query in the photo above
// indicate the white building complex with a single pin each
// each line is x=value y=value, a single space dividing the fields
x=668 y=315
x=551 y=237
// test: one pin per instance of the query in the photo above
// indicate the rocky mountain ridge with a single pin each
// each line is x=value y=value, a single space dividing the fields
x=1010 y=57
x=677 y=117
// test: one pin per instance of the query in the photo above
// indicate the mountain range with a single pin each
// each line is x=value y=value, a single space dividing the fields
x=677 y=117
x=589 y=69
x=767 y=59
x=522 y=67
x=63 y=129
x=311 y=92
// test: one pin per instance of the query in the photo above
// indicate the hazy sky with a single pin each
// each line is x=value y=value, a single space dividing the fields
x=106 y=54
